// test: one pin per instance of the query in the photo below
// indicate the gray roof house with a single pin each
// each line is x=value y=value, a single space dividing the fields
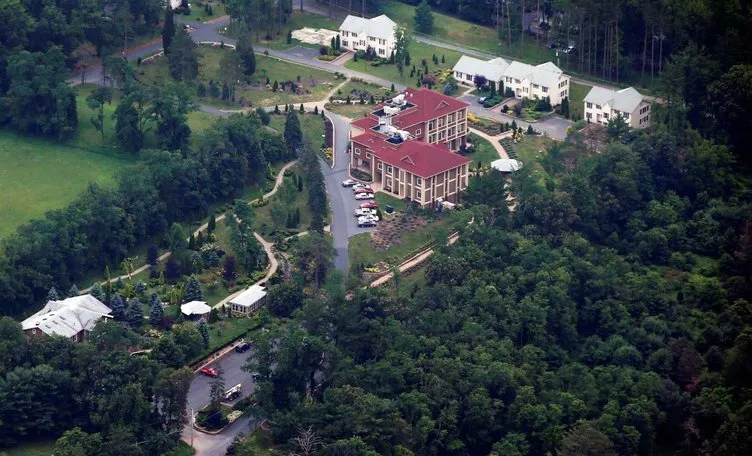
x=602 y=105
x=73 y=318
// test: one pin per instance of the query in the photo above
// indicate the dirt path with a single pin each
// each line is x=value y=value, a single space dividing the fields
x=494 y=140
x=411 y=262
x=277 y=184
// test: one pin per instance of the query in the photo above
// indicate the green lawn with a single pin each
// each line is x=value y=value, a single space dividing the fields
x=577 y=93
x=418 y=53
x=351 y=111
x=225 y=331
x=361 y=252
x=39 y=175
x=315 y=81
x=199 y=15
x=356 y=89
x=311 y=125
x=387 y=200
x=456 y=31
x=484 y=151
x=297 y=20
x=531 y=150
x=30 y=449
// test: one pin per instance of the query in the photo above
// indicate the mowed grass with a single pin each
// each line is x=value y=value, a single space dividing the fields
x=265 y=224
x=311 y=125
x=577 y=93
x=315 y=81
x=531 y=150
x=484 y=151
x=418 y=53
x=478 y=37
x=39 y=175
x=354 y=89
x=198 y=13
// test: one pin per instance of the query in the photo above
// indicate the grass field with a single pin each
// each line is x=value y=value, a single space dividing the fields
x=361 y=252
x=183 y=449
x=577 y=93
x=354 y=89
x=311 y=125
x=30 y=449
x=298 y=20
x=418 y=53
x=531 y=150
x=199 y=15
x=264 y=221
x=467 y=34
x=39 y=175
x=484 y=151
x=318 y=82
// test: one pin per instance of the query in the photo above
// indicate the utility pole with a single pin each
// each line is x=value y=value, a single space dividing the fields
x=193 y=421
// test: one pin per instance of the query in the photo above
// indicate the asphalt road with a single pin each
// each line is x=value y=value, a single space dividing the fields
x=554 y=126
x=198 y=397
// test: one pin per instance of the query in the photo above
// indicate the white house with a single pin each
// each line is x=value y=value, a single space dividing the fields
x=602 y=104
x=527 y=81
x=358 y=33
x=73 y=318
x=249 y=301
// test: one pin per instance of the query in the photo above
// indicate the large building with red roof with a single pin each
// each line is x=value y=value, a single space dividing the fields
x=409 y=143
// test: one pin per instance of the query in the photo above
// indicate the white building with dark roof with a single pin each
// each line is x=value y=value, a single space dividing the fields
x=73 y=318
x=527 y=81
x=248 y=301
x=358 y=34
x=602 y=105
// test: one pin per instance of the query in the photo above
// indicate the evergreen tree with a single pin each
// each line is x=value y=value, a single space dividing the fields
x=315 y=110
x=300 y=183
x=200 y=240
x=140 y=288
x=168 y=29
x=296 y=219
x=197 y=264
x=289 y=36
x=117 y=306
x=212 y=225
x=192 y=242
x=157 y=311
x=201 y=90
x=338 y=43
x=193 y=290
x=333 y=44
x=443 y=59
x=392 y=88
x=172 y=268
x=245 y=49
x=213 y=260
x=372 y=100
x=53 y=295
x=276 y=109
x=293 y=135
x=302 y=109
x=183 y=58
x=423 y=18
x=96 y=291
x=134 y=313
x=73 y=291
x=203 y=328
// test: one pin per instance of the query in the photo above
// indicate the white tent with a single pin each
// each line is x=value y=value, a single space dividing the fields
x=195 y=308
x=506 y=165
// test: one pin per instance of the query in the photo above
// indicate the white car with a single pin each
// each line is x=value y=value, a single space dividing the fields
x=367 y=218
x=363 y=196
x=366 y=224
x=348 y=183
x=362 y=212
x=357 y=186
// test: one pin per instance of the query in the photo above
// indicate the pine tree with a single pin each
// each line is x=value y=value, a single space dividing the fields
x=96 y=291
x=203 y=328
x=212 y=225
x=347 y=100
x=157 y=311
x=372 y=100
x=339 y=43
x=300 y=183
x=200 y=240
x=168 y=29
x=193 y=290
x=134 y=313
x=140 y=288
x=289 y=36
x=297 y=216
x=392 y=88
x=316 y=110
x=117 y=306
x=245 y=49
x=293 y=135
x=73 y=291
x=276 y=109
x=213 y=260
x=53 y=295
x=192 y=242
x=302 y=109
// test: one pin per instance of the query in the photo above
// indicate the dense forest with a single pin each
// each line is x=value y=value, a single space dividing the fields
x=608 y=315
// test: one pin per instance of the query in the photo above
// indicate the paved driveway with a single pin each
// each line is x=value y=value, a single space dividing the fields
x=554 y=126
x=342 y=199
x=303 y=52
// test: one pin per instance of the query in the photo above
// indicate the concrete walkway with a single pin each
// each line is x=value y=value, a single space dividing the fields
x=411 y=262
x=494 y=140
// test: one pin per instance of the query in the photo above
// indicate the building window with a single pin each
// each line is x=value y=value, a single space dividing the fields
x=432 y=139
x=431 y=125
x=525 y=89
x=535 y=86
x=382 y=51
x=389 y=170
x=365 y=163
x=469 y=77
x=380 y=166
x=451 y=131
x=461 y=115
x=344 y=43
x=460 y=128
x=590 y=105
x=545 y=89
x=597 y=106
x=590 y=115
x=441 y=122
x=418 y=181
x=626 y=116
x=516 y=81
x=451 y=117
x=417 y=131
x=368 y=155
x=418 y=195
x=357 y=151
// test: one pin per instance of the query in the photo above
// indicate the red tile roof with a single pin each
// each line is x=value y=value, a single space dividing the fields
x=417 y=157
x=429 y=104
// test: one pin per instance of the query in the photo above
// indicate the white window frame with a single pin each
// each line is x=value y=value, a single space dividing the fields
x=369 y=155
x=380 y=166
x=357 y=151
x=418 y=131
x=589 y=105
x=418 y=181
x=389 y=170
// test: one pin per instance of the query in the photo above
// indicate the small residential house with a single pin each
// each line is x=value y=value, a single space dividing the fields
x=602 y=105
x=358 y=34
x=249 y=301
x=527 y=81
x=196 y=310
x=73 y=318
x=409 y=144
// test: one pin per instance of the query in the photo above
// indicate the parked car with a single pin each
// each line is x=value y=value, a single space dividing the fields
x=364 y=190
x=357 y=186
x=569 y=50
x=348 y=183
x=364 y=218
x=243 y=347
x=369 y=205
x=208 y=371
x=255 y=375
x=364 y=211
x=552 y=45
x=363 y=196
x=389 y=209
x=366 y=223
x=234 y=392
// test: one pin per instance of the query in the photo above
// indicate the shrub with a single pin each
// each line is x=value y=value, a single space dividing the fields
x=505 y=109
x=323 y=50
